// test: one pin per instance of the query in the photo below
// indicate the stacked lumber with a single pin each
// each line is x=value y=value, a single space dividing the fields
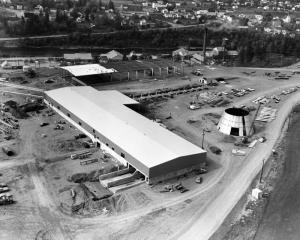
x=266 y=114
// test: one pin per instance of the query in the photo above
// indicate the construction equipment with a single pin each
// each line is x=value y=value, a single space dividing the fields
x=81 y=155
x=89 y=144
x=59 y=127
x=200 y=171
x=44 y=124
x=80 y=135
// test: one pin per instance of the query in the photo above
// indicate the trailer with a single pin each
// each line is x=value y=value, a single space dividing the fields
x=78 y=155
x=88 y=161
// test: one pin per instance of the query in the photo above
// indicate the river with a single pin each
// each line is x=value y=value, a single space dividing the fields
x=282 y=215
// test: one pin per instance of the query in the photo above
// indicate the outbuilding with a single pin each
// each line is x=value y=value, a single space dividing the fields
x=112 y=56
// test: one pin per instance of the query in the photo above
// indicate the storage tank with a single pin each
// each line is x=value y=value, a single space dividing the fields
x=235 y=122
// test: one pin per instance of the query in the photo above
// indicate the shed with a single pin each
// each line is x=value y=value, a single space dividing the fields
x=112 y=56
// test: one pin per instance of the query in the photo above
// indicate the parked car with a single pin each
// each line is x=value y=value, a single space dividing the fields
x=199 y=180
x=43 y=124
x=183 y=190
x=197 y=72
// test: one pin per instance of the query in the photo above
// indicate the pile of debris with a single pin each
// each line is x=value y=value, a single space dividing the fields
x=69 y=145
x=5 y=197
x=209 y=97
x=266 y=114
x=9 y=121
x=288 y=91
x=261 y=100
x=86 y=196
x=20 y=111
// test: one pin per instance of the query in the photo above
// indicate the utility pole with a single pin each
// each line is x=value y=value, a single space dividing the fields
x=203 y=134
x=204 y=44
x=223 y=46
x=262 y=171
x=252 y=124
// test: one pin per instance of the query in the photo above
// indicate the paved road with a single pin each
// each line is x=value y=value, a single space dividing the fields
x=292 y=68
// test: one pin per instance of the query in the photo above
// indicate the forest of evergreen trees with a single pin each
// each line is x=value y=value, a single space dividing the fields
x=252 y=45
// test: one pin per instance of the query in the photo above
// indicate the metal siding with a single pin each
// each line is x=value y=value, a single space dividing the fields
x=109 y=116
x=177 y=164
x=131 y=160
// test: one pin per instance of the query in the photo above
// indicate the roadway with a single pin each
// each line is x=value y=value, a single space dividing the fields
x=204 y=223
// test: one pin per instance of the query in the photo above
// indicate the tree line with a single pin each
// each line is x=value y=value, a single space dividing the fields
x=252 y=45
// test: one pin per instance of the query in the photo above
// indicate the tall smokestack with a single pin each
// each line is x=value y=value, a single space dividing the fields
x=204 y=44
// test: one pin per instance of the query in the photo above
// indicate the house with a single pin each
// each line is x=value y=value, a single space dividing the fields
x=143 y=22
x=133 y=55
x=287 y=19
x=276 y=23
x=218 y=50
x=232 y=53
x=112 y=56
x=197 y=58
x=132 y=7
x=38 y=9
x=6 y=1
x=181 y=52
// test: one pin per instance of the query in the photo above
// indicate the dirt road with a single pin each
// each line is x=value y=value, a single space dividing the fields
x=204 y=223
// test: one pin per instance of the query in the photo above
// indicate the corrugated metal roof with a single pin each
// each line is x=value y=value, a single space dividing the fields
x=105 y=111
x=88 y=69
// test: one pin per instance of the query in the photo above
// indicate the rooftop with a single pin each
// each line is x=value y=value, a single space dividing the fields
x=107 y=113
x=78 y=56
x=88 y=69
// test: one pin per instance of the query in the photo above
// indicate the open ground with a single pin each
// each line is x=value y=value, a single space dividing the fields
x=38 y=174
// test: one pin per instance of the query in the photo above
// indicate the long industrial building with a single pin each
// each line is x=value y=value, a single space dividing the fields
x=107 y=118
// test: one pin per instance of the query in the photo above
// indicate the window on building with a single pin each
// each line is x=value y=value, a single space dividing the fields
x=122 y=155
x=69 y=115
